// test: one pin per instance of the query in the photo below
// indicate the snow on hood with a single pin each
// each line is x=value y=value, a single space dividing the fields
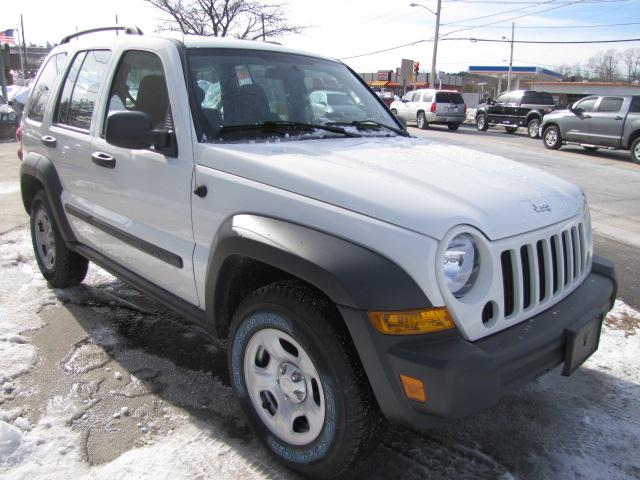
x=413 y=183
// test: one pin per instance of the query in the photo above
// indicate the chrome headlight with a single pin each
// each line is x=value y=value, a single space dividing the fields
x=461 y=263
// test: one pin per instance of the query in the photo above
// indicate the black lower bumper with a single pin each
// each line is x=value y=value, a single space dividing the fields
x=463 y=377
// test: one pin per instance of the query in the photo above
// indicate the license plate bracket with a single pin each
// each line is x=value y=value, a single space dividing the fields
x=582 y=341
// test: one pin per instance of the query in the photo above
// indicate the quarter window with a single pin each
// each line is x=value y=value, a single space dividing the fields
x=42 y=88
x=81 y=88
x=140 y=85
x=610 y=105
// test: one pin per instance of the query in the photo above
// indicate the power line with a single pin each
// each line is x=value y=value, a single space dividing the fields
x=538 y=4
x=536 y=27
x=385 y=50
x=555 y=42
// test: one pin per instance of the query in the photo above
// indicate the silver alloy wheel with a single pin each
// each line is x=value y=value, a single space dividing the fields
x=284 y=386
x=45 y=240
x=534 y=128
x=480 y=121
x=550 y=137
x=636 y=152
x=421 y=120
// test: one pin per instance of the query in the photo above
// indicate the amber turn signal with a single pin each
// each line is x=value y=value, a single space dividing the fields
x=412 y=322
x=413 y=388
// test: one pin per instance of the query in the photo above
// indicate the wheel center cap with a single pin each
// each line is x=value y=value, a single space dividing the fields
x=291 y=382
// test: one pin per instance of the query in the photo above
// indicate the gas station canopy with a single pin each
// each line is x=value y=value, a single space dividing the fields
x=524 y=75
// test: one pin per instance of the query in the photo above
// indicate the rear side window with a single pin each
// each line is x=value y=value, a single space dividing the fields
x=81 y=88
x=448 y=97
x=537 y=98
x=140 y=85
x=42 y=89
x=610 y=104
x=635 y=105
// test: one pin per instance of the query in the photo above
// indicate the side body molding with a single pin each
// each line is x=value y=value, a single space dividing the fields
x=37 y=171
x=351 y=275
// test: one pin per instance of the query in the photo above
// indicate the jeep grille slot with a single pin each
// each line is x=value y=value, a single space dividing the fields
x=539 y=272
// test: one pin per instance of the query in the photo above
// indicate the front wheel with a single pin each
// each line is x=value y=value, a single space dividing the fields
x=533 y=128
x=295 y=373
x=453 y=126
x=635 y=150
x=551 y=138
x=421 y=121
x=481 y=122
x=60 y=266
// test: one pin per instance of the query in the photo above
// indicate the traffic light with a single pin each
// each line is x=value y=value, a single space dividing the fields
x=416 y=67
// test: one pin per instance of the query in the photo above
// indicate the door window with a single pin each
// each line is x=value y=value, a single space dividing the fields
x=635 y=105
x=42 y=88
x=140 y=85
x=502 y=99
x=586 y=105
x=81 y=87
x=610 y=105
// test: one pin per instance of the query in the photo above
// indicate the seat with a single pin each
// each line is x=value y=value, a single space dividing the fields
x=153 y=99
x=248 y=105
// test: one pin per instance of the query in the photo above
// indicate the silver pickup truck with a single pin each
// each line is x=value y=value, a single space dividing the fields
x=611 y=122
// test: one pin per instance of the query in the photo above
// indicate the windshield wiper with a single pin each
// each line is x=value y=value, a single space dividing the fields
x=368 y=124
x=281 y=126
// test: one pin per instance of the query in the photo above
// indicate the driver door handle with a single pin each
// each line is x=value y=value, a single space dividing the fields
x=617 y=117
x=103 y=160
x=586 y=116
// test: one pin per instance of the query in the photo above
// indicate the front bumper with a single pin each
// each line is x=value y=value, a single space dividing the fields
x=463 y=377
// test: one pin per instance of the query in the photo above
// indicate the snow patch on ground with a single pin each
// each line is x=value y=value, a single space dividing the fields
x=9 y=187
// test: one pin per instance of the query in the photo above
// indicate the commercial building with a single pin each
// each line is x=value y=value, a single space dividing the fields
x=565 y=93
x=521 y=77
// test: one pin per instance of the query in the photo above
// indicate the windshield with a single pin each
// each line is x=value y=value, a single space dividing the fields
x=236 y=88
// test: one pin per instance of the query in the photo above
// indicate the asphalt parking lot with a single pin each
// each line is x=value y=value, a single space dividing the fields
x=97 y=379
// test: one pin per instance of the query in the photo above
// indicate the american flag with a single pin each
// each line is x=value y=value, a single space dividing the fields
x=7 y=37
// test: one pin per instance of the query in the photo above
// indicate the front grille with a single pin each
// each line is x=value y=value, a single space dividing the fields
x=536 y=273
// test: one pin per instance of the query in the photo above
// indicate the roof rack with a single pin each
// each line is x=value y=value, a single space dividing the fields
x=127 y=30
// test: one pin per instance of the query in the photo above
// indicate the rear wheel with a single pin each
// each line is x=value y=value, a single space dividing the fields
x=481 y=122
x=533 y=128
x=295 y=373
x=453 y=126
x=421 y=120
x=635 y=150
x=511 y=129
x=551 y=138
x=59 y=265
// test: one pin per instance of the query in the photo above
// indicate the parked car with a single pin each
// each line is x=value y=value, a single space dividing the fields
x=518 y=108
x=610 y=121
x=335 y=105
x=355 y=272
x=430 y=106
x=8 y=119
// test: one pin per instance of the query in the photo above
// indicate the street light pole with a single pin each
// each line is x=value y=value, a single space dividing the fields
x=435 y=47
x=432 y=78
x=511 y=58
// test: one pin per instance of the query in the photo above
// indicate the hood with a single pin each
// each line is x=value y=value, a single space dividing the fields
x=412 y=183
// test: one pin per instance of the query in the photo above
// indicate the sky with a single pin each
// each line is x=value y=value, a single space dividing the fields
x=346 y=28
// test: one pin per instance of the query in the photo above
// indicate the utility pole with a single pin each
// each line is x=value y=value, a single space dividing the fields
x=263 y=34
x=20 y=43
x=513 y=26
x=3 y=80
x=24 y=44
x=435 y=46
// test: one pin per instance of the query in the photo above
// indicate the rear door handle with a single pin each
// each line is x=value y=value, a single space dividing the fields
x=617 y=117
x=103 y=160
x=586 y=116
x=49 y=141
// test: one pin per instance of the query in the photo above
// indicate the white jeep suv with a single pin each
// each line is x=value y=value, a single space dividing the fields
x=358 y=273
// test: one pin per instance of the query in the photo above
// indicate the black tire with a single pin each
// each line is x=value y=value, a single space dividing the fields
x=481 y=123
x=313 y=323
x=533 y=128
x=421 y=121
x=511 y=129
x=551 y=138
x=590 y=149
x=65 y=268
x=453 y=126
x=635 y=150
x=394 y=111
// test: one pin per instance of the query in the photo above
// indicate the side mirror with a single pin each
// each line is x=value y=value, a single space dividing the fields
x=133 y=130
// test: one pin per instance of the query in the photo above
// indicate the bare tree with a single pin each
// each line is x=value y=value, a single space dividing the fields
x=247 y=19
x=631 y=61
x=604 y=66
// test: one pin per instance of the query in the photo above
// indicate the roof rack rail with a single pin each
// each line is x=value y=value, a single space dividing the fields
x=127 y=30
